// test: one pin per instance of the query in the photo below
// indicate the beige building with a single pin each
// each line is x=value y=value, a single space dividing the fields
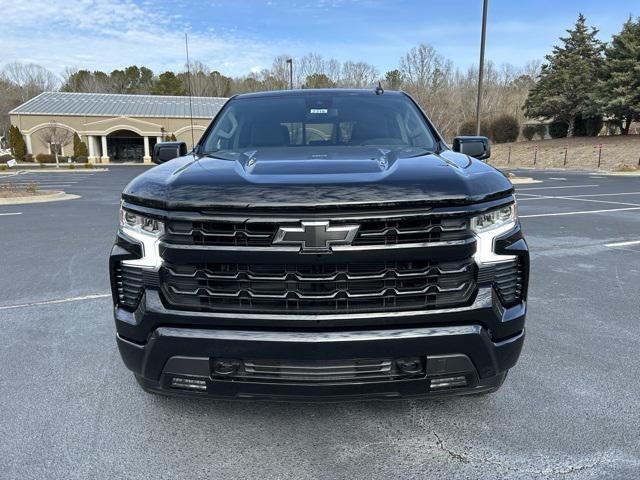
x=116 y=128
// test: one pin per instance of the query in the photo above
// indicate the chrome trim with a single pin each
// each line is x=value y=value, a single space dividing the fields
x=484 y=299
x=337 y=248
x=316 y=337
x=426 y=272
x=302 y=296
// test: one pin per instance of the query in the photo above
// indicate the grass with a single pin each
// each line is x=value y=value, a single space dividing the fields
x=10 y=190
x=627 y=168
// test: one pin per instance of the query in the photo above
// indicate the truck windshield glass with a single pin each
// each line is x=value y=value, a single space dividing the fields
x=319 y=121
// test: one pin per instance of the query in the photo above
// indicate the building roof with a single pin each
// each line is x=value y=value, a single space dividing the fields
x=113 y=105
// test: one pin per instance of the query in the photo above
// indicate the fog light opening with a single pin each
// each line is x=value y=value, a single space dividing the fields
x=448 y=382
x=189 y=383
x=409 y=365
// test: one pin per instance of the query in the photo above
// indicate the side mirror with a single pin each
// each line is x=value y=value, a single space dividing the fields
x=165 y=151
x=477 y=147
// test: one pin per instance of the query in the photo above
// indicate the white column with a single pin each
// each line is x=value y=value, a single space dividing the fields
x=147 y=157
x=158 y=139
x=105 y=153
x=92 y=148
x=27 y=141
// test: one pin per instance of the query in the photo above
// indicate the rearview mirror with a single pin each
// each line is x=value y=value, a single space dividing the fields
x=165 y=151
x=477 y=147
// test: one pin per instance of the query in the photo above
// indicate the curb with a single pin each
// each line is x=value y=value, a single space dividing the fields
x=52 y=197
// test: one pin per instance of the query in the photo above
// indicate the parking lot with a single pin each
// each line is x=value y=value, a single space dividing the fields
x=569 y=409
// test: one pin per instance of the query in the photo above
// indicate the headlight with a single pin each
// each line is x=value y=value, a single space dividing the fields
x=139 y=223
x=489 y=225
x=495 y=219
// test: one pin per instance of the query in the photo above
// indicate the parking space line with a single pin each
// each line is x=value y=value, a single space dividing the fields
x=550 y=188
x=10 y=213
x=549 y=197
x=622 y=244
x=53 y=302
x=583 y=212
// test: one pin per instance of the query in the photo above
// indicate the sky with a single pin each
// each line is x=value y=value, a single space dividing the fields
x=238 y=36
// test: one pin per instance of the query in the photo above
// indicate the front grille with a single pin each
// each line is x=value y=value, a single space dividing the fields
x=129 y=285
x=508 y=281
x=403 y=230
x=319 y=288
x=306 y=372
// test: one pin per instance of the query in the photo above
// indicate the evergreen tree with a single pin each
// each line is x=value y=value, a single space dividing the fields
x=168 y=84
x=618 y=92
x=79 y=147
x=567 y=82
x=16 y=143
x=393 y=79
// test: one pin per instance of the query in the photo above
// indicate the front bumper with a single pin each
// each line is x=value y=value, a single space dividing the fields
x=185 y=353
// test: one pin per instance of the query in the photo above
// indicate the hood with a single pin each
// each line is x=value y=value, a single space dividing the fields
x=313 y=177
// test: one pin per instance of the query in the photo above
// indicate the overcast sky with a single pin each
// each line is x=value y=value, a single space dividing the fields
x=236 y=36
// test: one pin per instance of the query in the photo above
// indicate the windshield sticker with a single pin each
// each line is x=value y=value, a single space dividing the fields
x=319 y=110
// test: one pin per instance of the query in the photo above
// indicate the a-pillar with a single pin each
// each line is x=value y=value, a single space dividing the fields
x=105 y=153
x=147 y=156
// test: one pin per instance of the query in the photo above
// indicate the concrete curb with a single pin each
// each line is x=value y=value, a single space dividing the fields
x=54 y=170
x=52 y=197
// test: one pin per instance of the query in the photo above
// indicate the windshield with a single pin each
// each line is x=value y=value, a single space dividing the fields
x=319 y=120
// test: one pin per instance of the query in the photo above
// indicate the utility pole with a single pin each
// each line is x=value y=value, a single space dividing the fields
x=485 y=6
x=290 y=62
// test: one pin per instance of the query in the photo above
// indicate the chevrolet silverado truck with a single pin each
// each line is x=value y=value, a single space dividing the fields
x=320 y=244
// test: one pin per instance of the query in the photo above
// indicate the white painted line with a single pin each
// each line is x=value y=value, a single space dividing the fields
x=558 y=178
x=545 y=197
x=622 y=244
x=53 y=302
x=584 y=212
x=12 y=213
x=564 y=186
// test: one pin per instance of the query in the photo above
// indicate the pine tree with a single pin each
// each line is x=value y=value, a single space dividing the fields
x=16 y=143
x=79 y=147
x=567 y=82
x=618 y=92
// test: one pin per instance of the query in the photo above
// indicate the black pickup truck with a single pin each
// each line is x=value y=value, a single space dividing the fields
x=320 y=244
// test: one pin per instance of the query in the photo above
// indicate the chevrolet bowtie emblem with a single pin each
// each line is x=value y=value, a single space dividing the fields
x=316 y=236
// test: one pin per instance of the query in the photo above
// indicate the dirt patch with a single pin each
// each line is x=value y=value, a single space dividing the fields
x=612 y=153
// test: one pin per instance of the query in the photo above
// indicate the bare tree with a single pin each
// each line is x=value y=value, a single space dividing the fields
x=31 y=78
x=56 y=137
x=358 y=74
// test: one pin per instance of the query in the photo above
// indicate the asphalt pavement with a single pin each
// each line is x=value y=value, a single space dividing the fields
x=570 y=408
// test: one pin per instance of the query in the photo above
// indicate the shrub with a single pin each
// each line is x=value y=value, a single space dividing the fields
x=46 y=158
x=558 y=130
x=16 y=143
x=3 y=167
x=529 y=131
x=88 y=165
x=28 y=158
x=40 y=164
x=504 y=128
x=541 y=130
x=72 y=166
x=5 y=158
x=81 y=159
x=469 y=128
x=588 y=127
x=31 y=187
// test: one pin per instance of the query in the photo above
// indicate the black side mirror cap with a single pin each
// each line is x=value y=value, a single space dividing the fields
x=165 y=151
x=476 y=147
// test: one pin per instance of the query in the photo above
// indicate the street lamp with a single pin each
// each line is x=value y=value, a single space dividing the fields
x=290 y=62
x=481 y=70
